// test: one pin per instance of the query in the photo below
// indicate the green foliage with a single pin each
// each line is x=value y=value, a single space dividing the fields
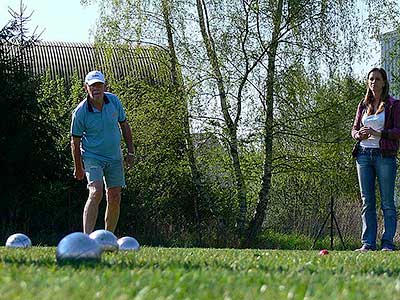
x=57 y=100
x=219 y=212
x=158 y=201
x=313 y=158
x=28 y=157
x=178 y=273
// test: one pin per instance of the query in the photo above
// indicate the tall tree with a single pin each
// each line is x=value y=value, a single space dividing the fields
x=177 y=84
x=28 y=155
x=283 y=34
x=259 y=217
x=298 y=30
x=231 y=123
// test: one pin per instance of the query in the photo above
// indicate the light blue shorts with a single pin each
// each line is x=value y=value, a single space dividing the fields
x=111 y=172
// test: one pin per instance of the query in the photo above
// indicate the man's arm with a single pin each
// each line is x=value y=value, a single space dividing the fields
x=127 y=134
x=79 y=173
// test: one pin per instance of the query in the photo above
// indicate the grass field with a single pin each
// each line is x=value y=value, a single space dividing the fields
x=173 y=273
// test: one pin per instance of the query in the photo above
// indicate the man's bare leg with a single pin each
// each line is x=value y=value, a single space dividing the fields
x=91 y=209
x=113 y=196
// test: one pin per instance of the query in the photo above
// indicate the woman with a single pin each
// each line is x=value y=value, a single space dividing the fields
x=377 y=131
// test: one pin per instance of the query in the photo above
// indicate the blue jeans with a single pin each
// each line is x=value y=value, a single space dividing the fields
x=370 y=165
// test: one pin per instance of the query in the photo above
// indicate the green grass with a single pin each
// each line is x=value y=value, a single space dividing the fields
x=286 y=241
x=162 y=273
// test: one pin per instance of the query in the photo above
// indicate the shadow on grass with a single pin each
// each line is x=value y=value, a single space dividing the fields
x=43 y=262
x=52 y=262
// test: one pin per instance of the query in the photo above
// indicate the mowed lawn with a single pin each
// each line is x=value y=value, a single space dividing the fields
x=184 y=273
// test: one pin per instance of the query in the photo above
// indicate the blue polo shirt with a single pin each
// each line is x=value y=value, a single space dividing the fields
x=99 y=130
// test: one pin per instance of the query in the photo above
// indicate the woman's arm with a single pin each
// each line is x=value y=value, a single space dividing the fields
x=355 y=131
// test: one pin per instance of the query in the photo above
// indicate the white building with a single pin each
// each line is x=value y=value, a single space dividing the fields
x=390 y=59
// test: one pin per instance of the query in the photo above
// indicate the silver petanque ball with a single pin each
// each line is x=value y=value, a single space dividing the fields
x=18 y=240
x=128 y=243
x=106 y=239
x=78 y=246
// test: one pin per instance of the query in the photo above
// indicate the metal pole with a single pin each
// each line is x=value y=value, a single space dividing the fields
x=338 y=230
x=320 y=231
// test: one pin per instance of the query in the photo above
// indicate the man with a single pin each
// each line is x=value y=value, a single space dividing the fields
x=97 y=123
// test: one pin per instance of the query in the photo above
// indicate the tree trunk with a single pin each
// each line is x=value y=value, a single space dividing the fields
x=230 y=124
x=200 y=194
x=255 y=226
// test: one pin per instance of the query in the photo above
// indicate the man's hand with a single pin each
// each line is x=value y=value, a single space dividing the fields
x=129 y=160
x=79 y=173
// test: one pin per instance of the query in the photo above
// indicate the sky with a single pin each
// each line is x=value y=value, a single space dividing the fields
x=61 y=20
x=70 y=21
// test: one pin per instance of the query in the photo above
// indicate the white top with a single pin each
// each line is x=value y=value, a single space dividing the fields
x=375 y=122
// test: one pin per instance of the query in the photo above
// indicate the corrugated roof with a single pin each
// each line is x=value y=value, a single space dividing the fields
x=64 y=58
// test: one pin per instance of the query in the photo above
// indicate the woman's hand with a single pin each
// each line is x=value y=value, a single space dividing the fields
x=366 y=132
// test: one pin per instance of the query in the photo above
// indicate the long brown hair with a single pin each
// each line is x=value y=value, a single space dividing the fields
x=369 y=98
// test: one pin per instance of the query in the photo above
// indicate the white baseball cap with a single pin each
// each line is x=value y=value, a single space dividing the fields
x=93 y=77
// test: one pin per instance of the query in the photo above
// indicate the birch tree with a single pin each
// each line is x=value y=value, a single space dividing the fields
x=267 y=39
